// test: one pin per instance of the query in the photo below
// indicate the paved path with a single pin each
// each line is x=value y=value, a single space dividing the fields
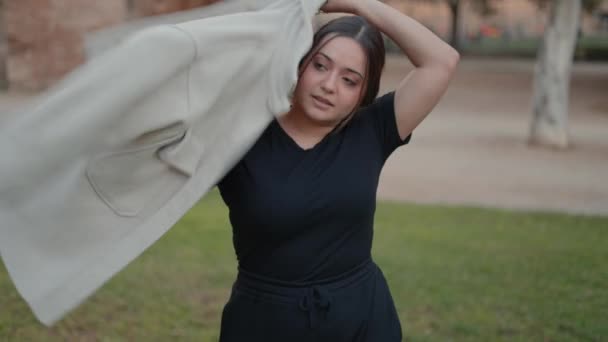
x=471 y=150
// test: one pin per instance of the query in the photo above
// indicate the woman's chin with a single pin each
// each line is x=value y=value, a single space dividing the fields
x=323 y=118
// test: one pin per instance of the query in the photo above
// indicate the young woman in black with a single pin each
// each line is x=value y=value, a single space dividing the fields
x=302 y=200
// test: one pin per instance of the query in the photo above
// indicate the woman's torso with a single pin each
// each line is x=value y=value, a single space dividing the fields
x=305 y=215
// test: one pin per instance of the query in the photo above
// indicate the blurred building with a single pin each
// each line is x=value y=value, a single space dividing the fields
x=42 y=40
x=45 y=38
x=514 y=18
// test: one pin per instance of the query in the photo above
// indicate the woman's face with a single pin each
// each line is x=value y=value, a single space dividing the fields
x=331 y=85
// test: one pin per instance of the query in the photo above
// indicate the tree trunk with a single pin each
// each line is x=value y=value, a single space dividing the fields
x=455 y=10
x=3 y=50
x=552 y=75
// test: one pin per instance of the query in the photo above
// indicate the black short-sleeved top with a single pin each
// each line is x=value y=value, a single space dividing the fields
x=305 y=215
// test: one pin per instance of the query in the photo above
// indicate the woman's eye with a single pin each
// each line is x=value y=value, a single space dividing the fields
x=350 y=82
x=319 y=66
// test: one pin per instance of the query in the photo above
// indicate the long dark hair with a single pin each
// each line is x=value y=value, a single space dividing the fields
x=371 y=41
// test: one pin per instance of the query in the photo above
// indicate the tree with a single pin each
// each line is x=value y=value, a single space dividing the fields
x=552 y=71
x=3 y=49
x=483 y=7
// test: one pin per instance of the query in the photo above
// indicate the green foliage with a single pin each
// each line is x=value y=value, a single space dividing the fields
x=591 y=5
x=456 y=274
x=484 y=7
x=588 y=5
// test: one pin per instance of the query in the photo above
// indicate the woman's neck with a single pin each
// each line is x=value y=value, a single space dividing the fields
x=303 y=130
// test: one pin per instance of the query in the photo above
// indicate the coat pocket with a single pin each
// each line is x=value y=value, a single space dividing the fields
x=147 y=173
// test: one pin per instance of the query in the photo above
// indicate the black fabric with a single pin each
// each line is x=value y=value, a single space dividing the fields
x=303 y=215
x=354 y=307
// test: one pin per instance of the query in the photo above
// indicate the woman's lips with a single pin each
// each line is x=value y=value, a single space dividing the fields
x=323 y=101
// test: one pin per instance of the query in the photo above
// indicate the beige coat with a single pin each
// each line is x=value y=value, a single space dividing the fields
x=101 y=166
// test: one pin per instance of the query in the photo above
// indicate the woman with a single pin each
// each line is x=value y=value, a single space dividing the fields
x=302 y=200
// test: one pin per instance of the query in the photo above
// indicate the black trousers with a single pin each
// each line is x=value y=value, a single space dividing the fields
x=356 y=306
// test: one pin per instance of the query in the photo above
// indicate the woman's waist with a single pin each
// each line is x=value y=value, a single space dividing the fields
x=313 y=298
x=260 y=283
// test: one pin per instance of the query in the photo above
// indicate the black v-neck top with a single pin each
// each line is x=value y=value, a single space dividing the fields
x=307 y=214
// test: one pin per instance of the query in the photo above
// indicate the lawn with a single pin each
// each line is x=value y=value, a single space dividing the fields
x=457 y=274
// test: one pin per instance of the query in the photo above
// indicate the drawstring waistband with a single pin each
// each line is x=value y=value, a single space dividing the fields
x=314 y=298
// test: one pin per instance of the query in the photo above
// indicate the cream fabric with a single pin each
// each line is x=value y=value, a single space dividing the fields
x=102 y=165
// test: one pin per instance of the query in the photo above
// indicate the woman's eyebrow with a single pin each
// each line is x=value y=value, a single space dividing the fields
x=349 y=69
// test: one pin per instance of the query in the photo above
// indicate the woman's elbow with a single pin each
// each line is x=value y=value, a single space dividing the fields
x=451 y=59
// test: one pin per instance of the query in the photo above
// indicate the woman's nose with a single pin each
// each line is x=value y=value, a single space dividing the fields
x=329 y=83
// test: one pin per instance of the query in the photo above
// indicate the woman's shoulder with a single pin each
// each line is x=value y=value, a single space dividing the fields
x=379 y=121
x=382 y=103
x=382 y=106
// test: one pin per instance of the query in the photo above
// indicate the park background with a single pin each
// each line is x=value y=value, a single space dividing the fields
x=484 y=233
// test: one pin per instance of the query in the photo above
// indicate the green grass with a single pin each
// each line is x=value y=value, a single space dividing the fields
x=456 y=274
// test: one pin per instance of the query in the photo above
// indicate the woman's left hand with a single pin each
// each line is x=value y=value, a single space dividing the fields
x=341 y=6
